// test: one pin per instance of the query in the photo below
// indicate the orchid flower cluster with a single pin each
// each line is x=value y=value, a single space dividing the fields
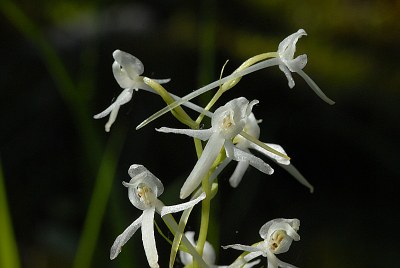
x=233 y=135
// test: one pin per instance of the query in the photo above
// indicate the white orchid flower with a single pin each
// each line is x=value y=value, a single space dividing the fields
x=226 y=122
x=278 y=235
x=208 y=252
x=127 y=70
x=284 y=59
x=143 y=191
x=243 y=144
x=209 y=255
x=288 y=64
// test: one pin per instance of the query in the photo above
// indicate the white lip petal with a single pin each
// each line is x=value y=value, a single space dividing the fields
x=149 y=242
x=124 y=237
x=315 y=87
x=124 y=97
x=203 y=165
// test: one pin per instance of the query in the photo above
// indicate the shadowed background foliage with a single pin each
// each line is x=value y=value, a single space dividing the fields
x=62 y=173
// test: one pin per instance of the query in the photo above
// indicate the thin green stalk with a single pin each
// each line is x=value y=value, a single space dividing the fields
x=98 y=202
x=173 y=227
x=8 y=246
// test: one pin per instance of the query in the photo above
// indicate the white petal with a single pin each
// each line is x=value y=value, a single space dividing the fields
x=172 y=209
x=242 y=247
x=202 y=134
x=276 y=147
x=122 y=78
x=133 y=66
x=287 y=47
x=124 y=237
x=203 y=165
x=253 y=255
x=298 y=63
x=315 y=87
x=251 y=264
x=124 y=97
x=149 y=242
x=288 y=75
x=298 y=176
x=256 y=162
x=237 y=175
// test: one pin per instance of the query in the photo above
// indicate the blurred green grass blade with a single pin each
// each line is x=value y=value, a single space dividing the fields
x=65 y=85
x=8 y=246
x=99 y=200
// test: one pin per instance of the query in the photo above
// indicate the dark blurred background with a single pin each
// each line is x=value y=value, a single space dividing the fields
x=58 y=163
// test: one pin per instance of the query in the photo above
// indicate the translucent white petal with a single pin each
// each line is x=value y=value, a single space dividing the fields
x=288 y=75
x=242 y=247
x=276 y=147
x=202 y=134
x=315 y=87
x=149 y=242
x=122 y=78
x=124 y=237
x=172 y=209
x=290 y=226
x=112 y=118
x=139 y=174
x=298 y=63
x=287 y=47
x=292 y=170
x=256 y=162
x=253 y=255
x=203 y=165
x=105 y=112
x=133 y=66
x=123 y=97
x=251 y=264
x=237 y=175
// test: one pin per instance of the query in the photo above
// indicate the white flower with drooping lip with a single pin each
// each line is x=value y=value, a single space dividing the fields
x=243 y=144
x=208 y=255
x=278 y=235
x=208 y=252
x=226 y=122
x=143 y=191
x=288 y=64
x=127 y=70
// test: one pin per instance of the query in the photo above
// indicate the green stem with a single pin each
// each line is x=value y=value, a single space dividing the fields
x=173 y=226
x=178 y=112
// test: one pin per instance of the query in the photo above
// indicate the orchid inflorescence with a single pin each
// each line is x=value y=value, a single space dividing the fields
x=233 y=135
